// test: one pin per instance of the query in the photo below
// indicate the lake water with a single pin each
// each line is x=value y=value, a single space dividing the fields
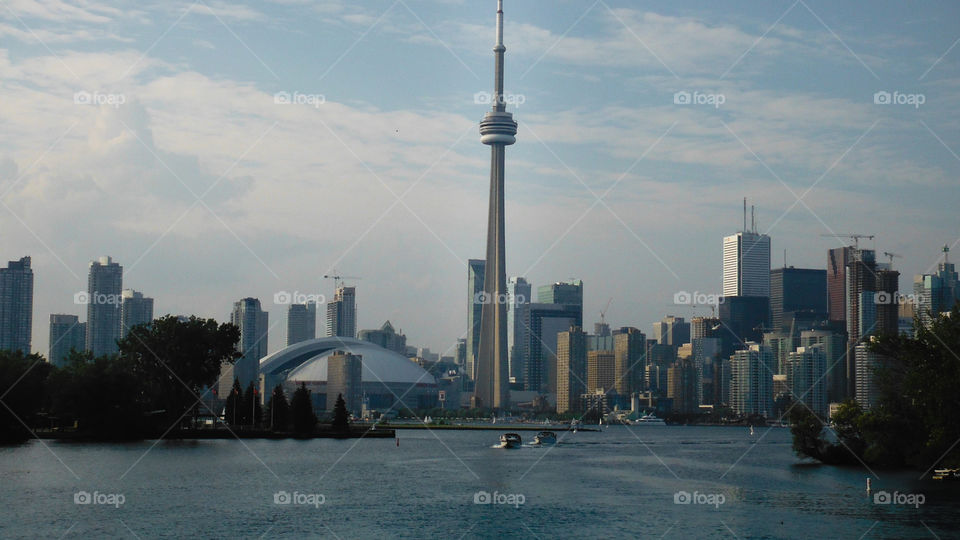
x=622 y=482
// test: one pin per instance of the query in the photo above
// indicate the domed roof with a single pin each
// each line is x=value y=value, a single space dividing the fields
x=307 y=361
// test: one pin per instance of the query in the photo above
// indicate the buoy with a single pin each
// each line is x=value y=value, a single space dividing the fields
x=398 y=444
x=868 y=484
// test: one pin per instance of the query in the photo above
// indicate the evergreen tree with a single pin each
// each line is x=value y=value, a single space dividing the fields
x=278 y=410
x=233 y=413
x=341 y=418
x=304 y=420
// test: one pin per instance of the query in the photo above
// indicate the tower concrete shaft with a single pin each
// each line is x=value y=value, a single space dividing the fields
x=498 y=130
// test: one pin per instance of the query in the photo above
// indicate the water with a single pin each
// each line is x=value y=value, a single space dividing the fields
x=618 y=483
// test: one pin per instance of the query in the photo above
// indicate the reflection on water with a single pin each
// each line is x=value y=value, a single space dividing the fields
x=683 y=482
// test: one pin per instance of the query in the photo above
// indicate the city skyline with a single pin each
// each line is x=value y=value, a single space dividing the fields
x=252 y=242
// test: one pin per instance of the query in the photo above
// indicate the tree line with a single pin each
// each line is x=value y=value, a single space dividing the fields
x=913 y=424
x=164 y=377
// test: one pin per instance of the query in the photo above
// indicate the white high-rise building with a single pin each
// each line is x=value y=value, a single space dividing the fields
x=104 y=286
x=805 y=369
x=746 y=264
x=751 y=380
x=253 y=323
x=135 y=308
x=342 y=313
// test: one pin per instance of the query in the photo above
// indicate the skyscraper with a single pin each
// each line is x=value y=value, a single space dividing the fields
x=388 y=338
x=805 y=370
x=476 y=268
x=629 y=350
x=861 y=287
x=134 y=309
x=253 y=323
x=342 y=313
x=837 y=261
x=543 y=323
x=936 y=293
x=571 y=369
x=833 y=346
x=671 y=331
x=866 y=393
x=301 y=322
x=497 y=129
x=520 y=300
x=104 y=287
x=682 y=387
x=798 y=298
x=601 y=371
x=16 y=306
x=746 y=264
x=568 y=293
x=66 y=334
x=751 y=380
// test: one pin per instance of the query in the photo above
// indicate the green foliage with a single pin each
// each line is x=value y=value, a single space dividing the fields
x=278 y=410
x=913 y=423
x=101 y=396
x=22 y=385
x=341 y=418
x=304 y=420
x=175 y=360
x=234 y=411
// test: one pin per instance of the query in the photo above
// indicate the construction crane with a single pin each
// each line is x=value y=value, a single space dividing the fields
x=603 y=312
x=856 y=238
x=891 y=256
x=338 y=278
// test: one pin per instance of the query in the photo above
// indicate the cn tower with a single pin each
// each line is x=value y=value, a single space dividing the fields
x=497 y=129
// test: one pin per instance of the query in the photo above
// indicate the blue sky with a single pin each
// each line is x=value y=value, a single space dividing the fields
x=379 y=172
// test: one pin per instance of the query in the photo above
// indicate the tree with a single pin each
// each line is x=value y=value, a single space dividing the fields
x=278 y=410
x=304 y=420
x=913 y=422
x=101 y=396
x=341 y=418
x=174 y=360
x=233 y=412
x=22 y=385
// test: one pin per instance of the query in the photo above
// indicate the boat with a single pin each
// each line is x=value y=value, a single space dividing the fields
x=650 y=420
x=510 y=440
x=545 y=437
x=946 y=474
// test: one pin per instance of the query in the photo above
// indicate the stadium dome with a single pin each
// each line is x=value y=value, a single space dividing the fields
x=386 y=376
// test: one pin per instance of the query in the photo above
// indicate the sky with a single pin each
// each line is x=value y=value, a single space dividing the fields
x=220 y=150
